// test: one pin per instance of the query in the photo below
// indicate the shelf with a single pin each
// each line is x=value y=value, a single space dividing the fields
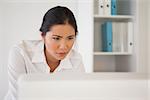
x=115 y=17
x=112 y=53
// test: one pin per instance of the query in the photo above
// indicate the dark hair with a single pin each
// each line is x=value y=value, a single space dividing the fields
x=58 y=15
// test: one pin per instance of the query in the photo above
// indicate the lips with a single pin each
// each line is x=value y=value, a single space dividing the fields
x=61 y=53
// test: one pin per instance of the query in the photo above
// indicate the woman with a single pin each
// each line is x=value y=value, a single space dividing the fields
x=54 y=53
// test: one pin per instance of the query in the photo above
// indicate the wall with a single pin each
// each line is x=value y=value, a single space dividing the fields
x=3 y=74
x=85 y=39
x=148 y=4
x=142 y=40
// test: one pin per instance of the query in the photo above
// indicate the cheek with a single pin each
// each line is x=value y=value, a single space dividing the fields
x=51 y=46
x=70 y=44
x=54 y=46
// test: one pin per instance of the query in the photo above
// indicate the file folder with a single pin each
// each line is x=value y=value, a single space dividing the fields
x=119 y=36
x=115 y=37
x=130 y=37
x=123 y=36
x=107 y=37
x=100 y=7
x=107 y=7
x=113 y=7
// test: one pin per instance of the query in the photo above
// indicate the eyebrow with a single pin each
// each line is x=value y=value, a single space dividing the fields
x=62 y=37
x=57 y=36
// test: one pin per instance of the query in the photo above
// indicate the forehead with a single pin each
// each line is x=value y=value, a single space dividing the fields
x=62 y=29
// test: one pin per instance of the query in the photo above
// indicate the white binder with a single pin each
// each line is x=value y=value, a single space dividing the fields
x=116 y=37
x=130 y=37
x=120 y=42
x=101 y=7
x=107 y=7
x=123 y=36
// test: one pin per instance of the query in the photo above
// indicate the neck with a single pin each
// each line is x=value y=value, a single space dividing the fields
x=52 y=62
x=49 y=58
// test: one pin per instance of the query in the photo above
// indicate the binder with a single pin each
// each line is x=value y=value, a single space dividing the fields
x=119 y=32
x=123 y=36
x=130 y=37
x=100 y=7
x=107 y=7
x=116 y=37
x=115 y=41
x=113 y=7
x=107 y=37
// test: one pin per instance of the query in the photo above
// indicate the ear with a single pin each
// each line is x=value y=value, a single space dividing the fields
x=43 y=35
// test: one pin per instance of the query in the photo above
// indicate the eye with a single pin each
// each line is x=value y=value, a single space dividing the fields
x=56 y=38
x=71 y=38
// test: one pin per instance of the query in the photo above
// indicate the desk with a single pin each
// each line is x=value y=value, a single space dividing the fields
x=79 y=86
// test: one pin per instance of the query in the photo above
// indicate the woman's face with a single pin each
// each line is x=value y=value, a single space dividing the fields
x=59 y=41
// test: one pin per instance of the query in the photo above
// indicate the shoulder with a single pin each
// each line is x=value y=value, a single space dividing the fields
x=26 y=45
x=26 y=48
x=75 y=57
x=76 y=60
x=75 y=54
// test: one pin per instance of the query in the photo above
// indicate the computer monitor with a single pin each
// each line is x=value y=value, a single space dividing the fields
x=79 y=86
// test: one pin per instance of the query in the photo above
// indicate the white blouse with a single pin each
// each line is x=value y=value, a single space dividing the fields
x=28 y=57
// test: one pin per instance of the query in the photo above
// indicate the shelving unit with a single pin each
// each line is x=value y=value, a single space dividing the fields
x=115 y=61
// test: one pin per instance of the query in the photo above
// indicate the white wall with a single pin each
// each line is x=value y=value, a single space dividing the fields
x=148 y=7
x=149 y=31
x=85 y=39
x=142 y=40
x=21 y=20
x=3 y=74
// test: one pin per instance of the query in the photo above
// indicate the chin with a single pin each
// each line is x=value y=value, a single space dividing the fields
x=60 y=57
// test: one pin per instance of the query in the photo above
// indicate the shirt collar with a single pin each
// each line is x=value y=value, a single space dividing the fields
x=38 y=53
x=39 y=57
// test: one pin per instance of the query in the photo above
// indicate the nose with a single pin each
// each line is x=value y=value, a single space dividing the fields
x=63 y=45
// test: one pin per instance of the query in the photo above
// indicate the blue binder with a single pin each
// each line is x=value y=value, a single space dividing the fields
x=113 y=7
x=107 y=37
